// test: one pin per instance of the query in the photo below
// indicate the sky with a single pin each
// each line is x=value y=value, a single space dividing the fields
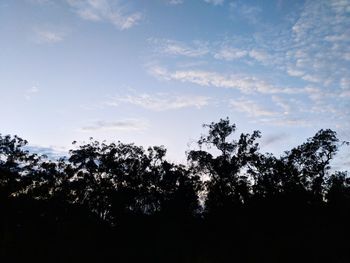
x=152 y=72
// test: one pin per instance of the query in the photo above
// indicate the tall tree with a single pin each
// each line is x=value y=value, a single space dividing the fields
x=228 y=185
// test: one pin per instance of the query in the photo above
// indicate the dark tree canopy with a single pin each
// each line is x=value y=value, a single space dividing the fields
x=230 y=202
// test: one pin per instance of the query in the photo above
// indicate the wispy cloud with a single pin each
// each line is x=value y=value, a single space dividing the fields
x=215 y=2
x=314 y=47
x=279 y=112
x=260 y=55
x=212 y=2
x=106 y=10
x=45 y=36
x=345 y=83
x=29 y=93
x=310 y=49
x=33 y=89
x=287 y=105
x=40 y=2
x=218 y=50
x=177 y=48
x=160 y=102
x=320 y=42
x=119 y=125
x=295 y=72
x=251 y=108
x=250 y=13
x=293 y=121
x=175 y=2
x=243 y=83
x=230 y=53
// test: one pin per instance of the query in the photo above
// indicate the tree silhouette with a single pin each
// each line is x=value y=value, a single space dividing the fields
x=228 y=185
x=121 y=202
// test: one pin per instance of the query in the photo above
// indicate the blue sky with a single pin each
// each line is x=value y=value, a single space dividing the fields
x=152 y=72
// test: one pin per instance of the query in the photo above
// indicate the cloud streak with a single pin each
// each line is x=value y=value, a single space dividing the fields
x=119 y=125
x=243 y=83
x=251 y=108
x=215 y=2
x=320 y=46
x=161 y=102
x=29 y=93
x=198 y=49
x=45 y=36
x=177 y=48
x=106 y=10
x=230 y=53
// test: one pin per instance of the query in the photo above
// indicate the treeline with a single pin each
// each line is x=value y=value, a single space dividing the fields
x=121 y=202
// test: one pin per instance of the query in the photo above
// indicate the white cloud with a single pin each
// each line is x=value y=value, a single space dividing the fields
x=284 y=104
x=89 y=15
x=347 y=56
x=30 y=92
x=120 y=125
x=315 y=93
x=294 y=72
x=345 y=94
x=176 y=2
x=292 y=113
x=320 y=42
x=251 y=108
x=177 y=48
x=245 y=84
x=312 y=45
x=259 y=55
x=340 y=6
x=215 y=2
x=289 y=121
x=218 y=50
x=290 y=105
x=105 y=10
x=125 y=22
x=161 y=102
x=345 y=83
x=239 y=9
x=48 y=36
x=230 y=53
x=312 y=78
x=336 y=38
x=33 y=89
x=158 y=72
x=40 y=2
